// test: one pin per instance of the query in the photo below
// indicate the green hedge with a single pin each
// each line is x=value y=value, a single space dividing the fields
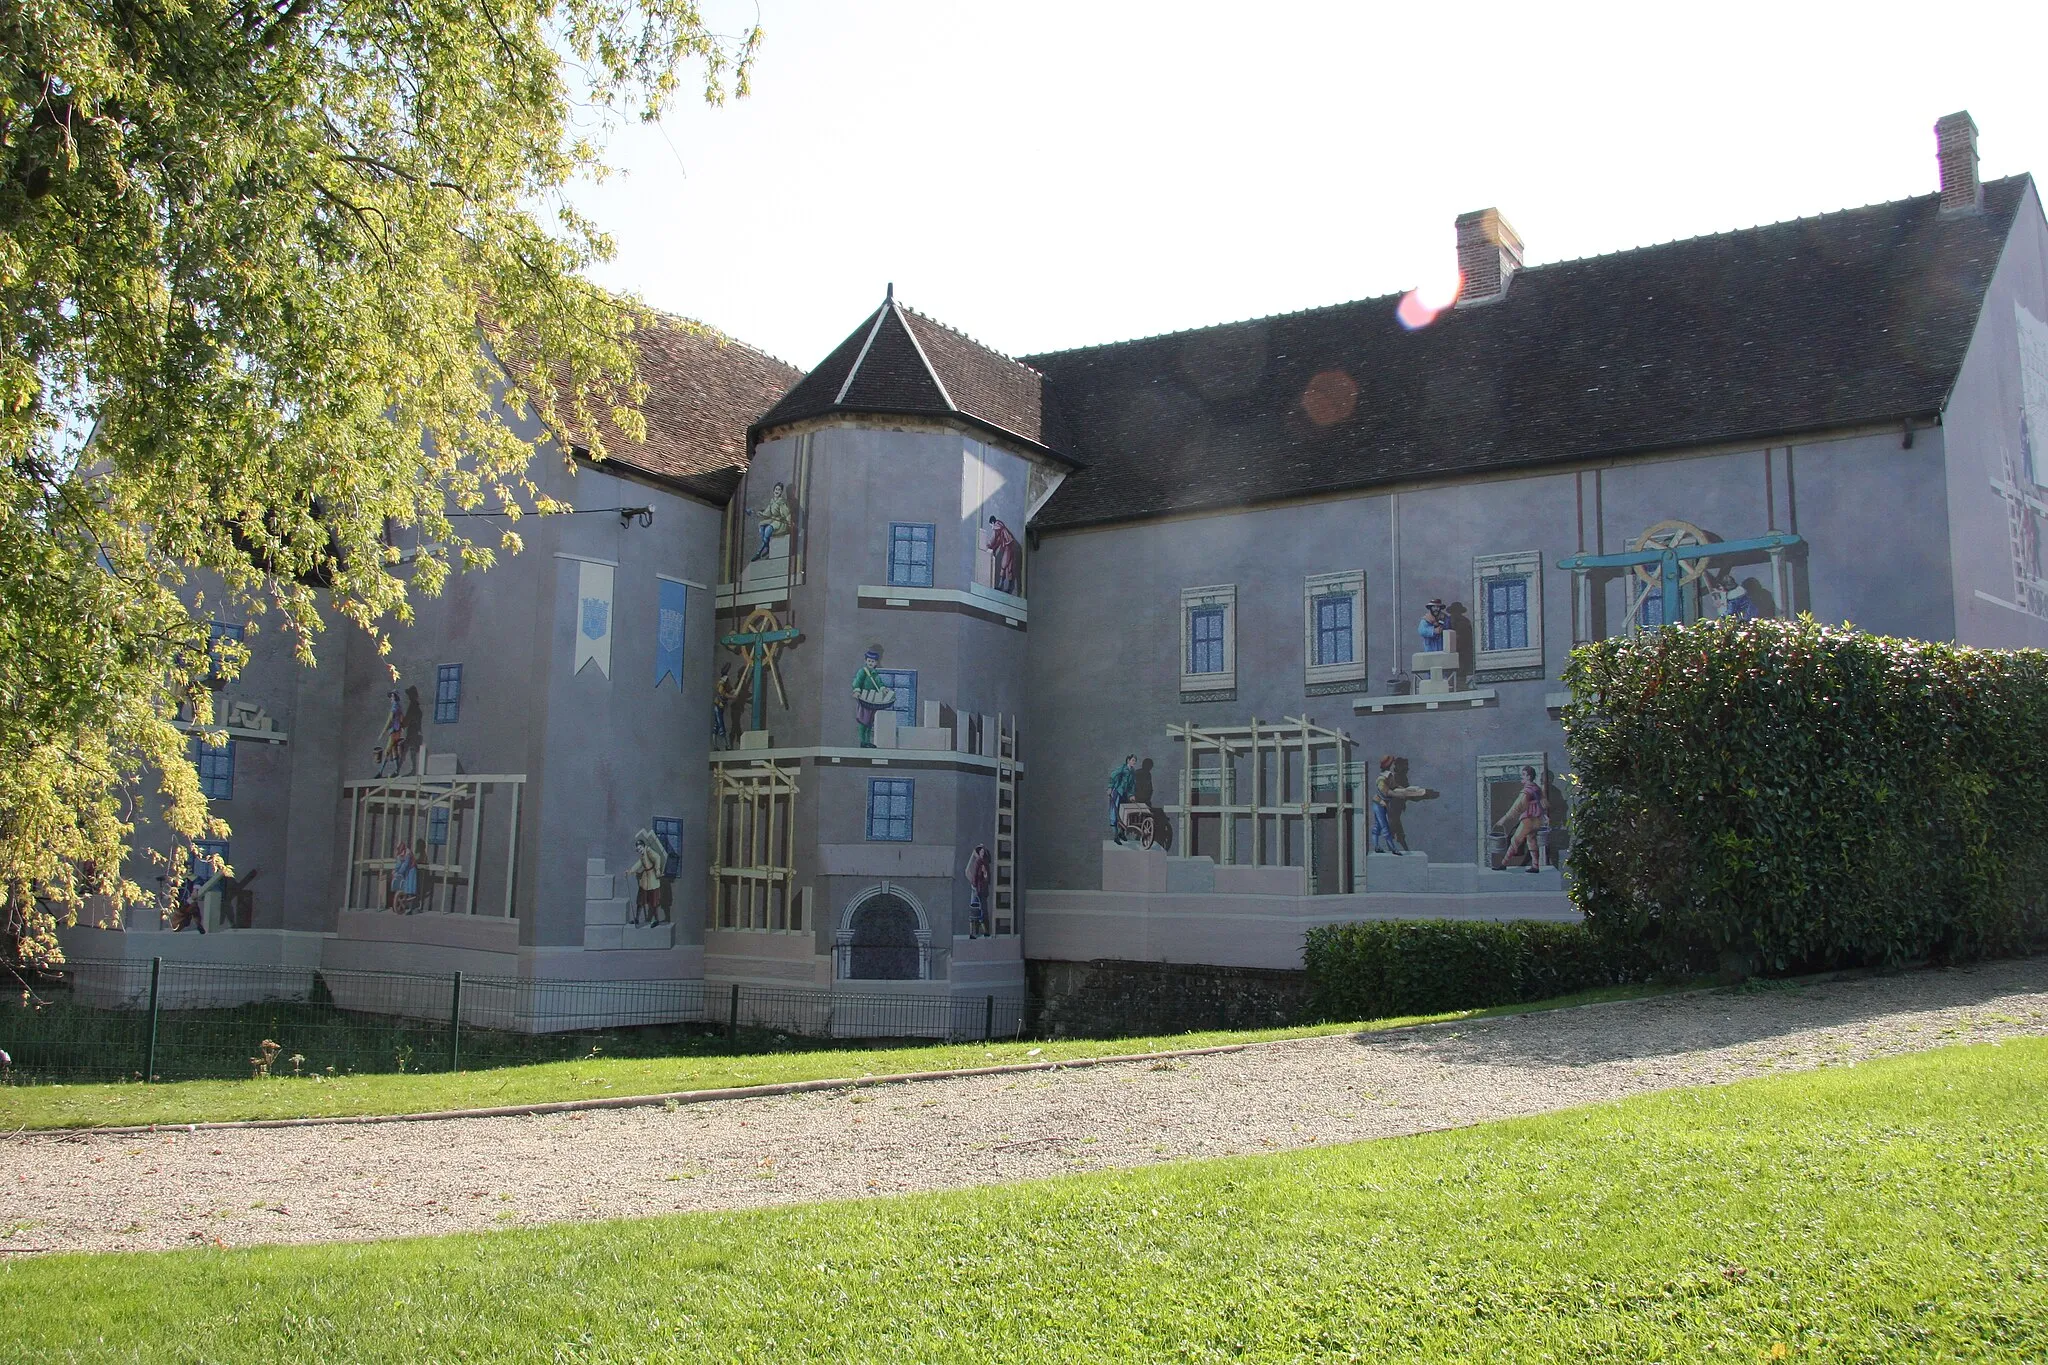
x=1379 y=969
x=1793 y=797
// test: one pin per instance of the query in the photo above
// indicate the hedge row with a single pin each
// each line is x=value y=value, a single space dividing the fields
x=1793 y=797
x=1379 y=969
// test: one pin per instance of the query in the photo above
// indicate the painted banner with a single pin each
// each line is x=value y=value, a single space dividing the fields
x=593 y=617
x=668 y=634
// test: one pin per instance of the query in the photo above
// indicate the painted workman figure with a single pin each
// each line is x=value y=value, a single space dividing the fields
x=977 y=889
x=1122 y=784
x=776 y=519
x=1004 y=557
x=1436 y=618
x=870 y=696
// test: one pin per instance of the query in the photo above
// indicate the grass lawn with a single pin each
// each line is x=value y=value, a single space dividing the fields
x=101 y=1105
x=1893 y=1210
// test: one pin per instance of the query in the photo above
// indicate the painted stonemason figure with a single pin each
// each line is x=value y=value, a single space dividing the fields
x=870 y=695
x=650 y=859
x=1004 y=557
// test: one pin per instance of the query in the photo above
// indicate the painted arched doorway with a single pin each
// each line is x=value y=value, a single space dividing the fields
x=883 y=938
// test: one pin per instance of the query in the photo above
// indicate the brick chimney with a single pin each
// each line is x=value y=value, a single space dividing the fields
x=1955 y=143
x=1489 y=254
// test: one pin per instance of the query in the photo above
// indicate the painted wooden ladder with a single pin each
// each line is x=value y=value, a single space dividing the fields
x=1003 y=872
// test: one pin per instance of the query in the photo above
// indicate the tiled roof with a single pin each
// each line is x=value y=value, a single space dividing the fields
x=1818 y=323
x=703 y=388
x=902 y=363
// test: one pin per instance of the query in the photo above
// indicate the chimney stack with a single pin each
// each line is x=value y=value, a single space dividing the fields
x=1955 y=142
x=1489 y=254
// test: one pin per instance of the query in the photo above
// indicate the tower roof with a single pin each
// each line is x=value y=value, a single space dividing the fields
x=902 y=363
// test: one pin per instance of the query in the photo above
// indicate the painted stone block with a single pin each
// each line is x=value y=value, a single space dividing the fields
x=593 y=867
x=604 y=937
x=1191 y=876
x=1397 y=872
x=607 y=911
x=1126 y=867
x=757 y=739
x=443 y=765
x=649 y=937
x=1261 y=881
x=597 y=887
x=885 y=730
x=924 y=737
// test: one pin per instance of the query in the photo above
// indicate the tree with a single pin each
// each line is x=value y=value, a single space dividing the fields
x=275 y=274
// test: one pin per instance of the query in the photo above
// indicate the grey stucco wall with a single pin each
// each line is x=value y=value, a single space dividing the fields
x=1104 y=660
x=1981 y=423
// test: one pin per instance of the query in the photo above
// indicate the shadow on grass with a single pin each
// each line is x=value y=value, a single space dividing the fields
x=1756 y=1012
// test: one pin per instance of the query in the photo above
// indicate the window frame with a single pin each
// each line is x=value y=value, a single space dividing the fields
x=439 y=820
x=903 y=788
x=1315 y=589
x=223 y=759
x=931 y=545
x=1208 y=685
x=1488 y=570
x=452 y=703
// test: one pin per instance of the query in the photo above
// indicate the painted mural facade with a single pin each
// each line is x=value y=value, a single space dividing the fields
x=863 y=725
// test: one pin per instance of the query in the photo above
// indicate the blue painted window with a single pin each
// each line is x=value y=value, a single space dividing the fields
x=448 y=694
x=1205 y=639
x=1333 y=630
x=437 y=826
x=891 y=801
x=669 y=829
x=1507 y=613
x=218 y=631
x=903 y=681
x=1651 y=613
x=216 y=768
x=910 y=554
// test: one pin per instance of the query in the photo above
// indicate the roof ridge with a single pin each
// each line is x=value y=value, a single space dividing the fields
x=918 y=346
x=971 y=340
x=853 y=370
x=1525 y=270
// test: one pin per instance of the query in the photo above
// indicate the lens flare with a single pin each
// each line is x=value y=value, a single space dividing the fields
x=1330 y=397
x=1420 y=305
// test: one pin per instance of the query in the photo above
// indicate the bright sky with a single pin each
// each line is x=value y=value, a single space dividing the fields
x=1052 y=174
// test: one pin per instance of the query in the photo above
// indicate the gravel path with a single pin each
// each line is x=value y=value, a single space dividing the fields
x=104 y=1193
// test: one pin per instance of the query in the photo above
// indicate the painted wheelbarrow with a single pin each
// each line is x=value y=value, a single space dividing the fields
x=1134 y=821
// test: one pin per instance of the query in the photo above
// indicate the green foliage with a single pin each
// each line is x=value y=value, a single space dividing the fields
x=1882 y=1212
x=1377 y=968
x=1806 y=797
x=251 y=247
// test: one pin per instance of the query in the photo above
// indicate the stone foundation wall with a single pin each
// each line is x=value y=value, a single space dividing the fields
x=1107 y=998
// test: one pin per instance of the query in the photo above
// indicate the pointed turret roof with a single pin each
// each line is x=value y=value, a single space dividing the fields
x=902 y=363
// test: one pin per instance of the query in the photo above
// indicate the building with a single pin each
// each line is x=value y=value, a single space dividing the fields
x=860 y=648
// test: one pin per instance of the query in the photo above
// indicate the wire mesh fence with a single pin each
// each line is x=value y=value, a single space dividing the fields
x=130 y=1020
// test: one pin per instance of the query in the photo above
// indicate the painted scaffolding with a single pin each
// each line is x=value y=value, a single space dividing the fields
x=1261 y=788
x=753 y=868
x=442 y=816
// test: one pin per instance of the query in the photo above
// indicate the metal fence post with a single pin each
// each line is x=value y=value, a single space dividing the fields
x=156 y=968
x=455 y=1027
x=732 y=1023
x=988 y=1025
